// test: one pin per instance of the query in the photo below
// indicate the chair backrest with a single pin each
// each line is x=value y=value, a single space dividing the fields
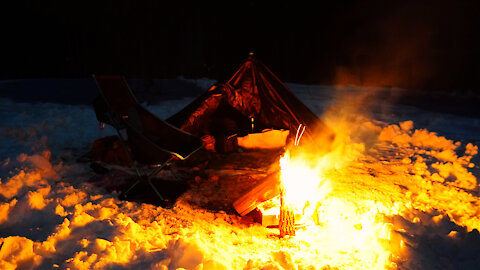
x=161 y=133
x=117 y=94
x=152 y=140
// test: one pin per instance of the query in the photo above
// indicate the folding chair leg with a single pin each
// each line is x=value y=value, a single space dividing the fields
x=176 y=176
x=141 y=178
x=155 y=172
x=124 y=194
x=156 y=190
x=159 y=168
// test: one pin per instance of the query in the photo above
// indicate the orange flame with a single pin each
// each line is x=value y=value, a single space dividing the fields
x=339 y=225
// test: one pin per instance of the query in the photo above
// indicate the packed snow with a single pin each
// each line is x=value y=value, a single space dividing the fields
x=402 y=194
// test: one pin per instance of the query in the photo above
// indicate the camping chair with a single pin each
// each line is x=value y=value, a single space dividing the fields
x=153 y=142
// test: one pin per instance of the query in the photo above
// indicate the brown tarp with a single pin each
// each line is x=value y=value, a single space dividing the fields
x=253 y=91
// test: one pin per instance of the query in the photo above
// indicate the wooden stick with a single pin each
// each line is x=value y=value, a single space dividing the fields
x=287 y=216
x=265 y=190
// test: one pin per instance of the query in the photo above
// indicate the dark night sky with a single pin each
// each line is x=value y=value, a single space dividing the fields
x=416 y=44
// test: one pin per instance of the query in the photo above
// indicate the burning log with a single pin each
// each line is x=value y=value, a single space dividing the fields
x=287 y=216
x=266 y=190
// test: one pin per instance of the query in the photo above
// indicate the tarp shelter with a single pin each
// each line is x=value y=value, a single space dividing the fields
x=253 y=99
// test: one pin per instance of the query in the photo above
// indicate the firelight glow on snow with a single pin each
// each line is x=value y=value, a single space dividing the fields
x=387 y=196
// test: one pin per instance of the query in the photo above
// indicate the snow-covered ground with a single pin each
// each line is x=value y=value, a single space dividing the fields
x=410 y=179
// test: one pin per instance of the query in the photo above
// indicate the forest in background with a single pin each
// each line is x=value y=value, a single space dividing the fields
x=428 y=45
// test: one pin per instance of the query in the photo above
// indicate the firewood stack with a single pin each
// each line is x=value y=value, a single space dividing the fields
x=266 y=190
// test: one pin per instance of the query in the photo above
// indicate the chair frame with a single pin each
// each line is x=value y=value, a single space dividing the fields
x=119 y=123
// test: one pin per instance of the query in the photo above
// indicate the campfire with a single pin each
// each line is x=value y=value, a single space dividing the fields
x=301 y=191
x=310 y=209
x=306 y=203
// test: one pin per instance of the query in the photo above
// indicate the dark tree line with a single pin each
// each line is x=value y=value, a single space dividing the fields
x=416 y=44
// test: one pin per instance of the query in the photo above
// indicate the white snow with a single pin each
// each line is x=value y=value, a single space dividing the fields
x=50 y=217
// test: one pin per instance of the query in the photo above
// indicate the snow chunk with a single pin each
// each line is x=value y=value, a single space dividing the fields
x=36 y=199
x=185 y=254
x=395 y=134
x=5 y=210
x=18 y=252
x=406 y=125
x=17 y=182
